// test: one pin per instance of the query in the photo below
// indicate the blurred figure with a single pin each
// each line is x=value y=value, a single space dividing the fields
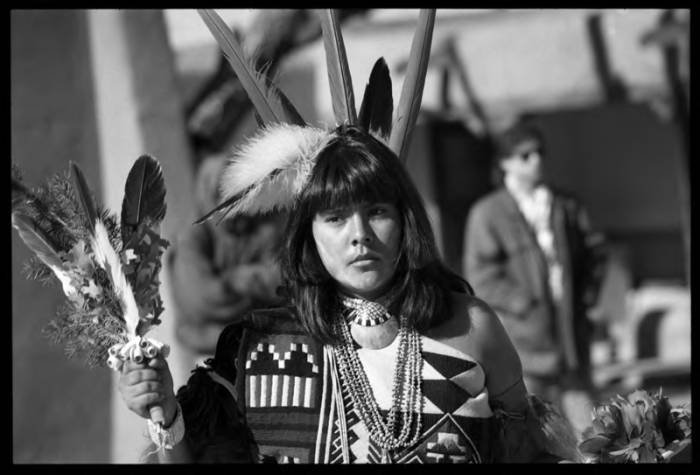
x=531 y=254
x=221 y=271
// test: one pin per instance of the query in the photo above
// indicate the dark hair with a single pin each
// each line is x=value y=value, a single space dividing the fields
x=354 y=167
x=507 y=141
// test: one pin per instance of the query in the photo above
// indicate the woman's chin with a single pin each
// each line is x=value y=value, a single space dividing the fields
x=368 y=290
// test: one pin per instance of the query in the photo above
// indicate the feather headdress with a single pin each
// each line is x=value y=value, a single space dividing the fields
x=270 y=169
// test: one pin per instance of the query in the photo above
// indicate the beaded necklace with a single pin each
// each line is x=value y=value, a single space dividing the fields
x=406 y=397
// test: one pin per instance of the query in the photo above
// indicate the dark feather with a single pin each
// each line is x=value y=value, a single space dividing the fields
x=228 y=203
x=412 y=90
x=144 y=196
x=267 y=99
x=338 y=70
x=377 y=103
x=36 y=240
x=85 y=197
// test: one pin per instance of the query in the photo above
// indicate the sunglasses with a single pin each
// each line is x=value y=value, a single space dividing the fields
x=528 y=154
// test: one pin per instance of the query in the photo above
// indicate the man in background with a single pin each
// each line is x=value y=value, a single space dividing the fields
x=219 y=272
x=531 y=254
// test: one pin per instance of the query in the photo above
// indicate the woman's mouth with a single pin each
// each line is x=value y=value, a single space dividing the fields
x=364 y=260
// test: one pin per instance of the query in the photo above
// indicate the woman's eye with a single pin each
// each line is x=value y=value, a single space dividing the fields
x=331 y=219
x=377 y=211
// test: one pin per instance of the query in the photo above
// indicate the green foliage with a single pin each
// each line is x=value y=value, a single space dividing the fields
x=86 y=334
x=142 y=269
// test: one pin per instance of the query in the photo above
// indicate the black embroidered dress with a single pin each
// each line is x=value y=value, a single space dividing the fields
x=272 y=394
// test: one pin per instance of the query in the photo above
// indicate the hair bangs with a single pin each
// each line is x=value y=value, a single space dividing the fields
x=350 y=178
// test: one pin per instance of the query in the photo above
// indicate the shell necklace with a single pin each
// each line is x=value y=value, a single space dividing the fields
x=406 y=398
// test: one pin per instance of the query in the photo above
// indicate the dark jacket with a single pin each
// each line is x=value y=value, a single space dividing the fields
x=507 y=269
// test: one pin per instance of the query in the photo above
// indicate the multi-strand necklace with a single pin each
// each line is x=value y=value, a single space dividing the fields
x=406 y=396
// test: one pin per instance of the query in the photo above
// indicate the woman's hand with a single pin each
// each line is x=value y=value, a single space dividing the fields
x=143 y=385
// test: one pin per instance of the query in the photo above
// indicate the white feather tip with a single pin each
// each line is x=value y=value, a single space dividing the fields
x=273 y=166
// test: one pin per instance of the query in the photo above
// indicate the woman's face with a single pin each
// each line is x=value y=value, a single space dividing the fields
x=359 y=246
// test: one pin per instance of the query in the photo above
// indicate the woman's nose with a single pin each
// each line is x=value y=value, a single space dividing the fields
x=361 y=233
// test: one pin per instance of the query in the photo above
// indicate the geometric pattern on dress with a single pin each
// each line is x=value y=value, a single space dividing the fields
x=275 y=390
x=357 y=435
x=284 y=374
x=453 y=384
x=471 y=381
x=477 y=407
x=448 y=366
x=284 y=432
x=287 y=455
x=445 y=394
x=351 y=420
x=268 y=358
x=444 y=442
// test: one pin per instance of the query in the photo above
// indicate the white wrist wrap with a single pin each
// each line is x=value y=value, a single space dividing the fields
x=167 y=438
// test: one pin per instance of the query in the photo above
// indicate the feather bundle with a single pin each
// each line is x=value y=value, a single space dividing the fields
x=338 y=70
x=378 y=103
x=111 y=286
x=270 y=102
x=412 y=90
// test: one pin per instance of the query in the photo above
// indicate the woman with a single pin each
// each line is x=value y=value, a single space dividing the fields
x=382 y=355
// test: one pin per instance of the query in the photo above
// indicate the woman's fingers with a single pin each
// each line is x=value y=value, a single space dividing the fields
x=130 y=365
x=146 y=387
x=157 y=363
x=141 y=404
x=145 y=384
x=138 y=376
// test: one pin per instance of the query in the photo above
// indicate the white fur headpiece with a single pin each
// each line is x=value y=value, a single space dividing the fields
x=271 y=168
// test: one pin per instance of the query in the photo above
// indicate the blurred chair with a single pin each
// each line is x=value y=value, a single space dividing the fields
x=653 y=342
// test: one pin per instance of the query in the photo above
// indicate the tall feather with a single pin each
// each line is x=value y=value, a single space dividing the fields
x=412 y=90
x=270 y=102
x=85 y=196
x=338 y=70
x=377 y=103
x=107 y=258
x=144 y=196
x=40 y=244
